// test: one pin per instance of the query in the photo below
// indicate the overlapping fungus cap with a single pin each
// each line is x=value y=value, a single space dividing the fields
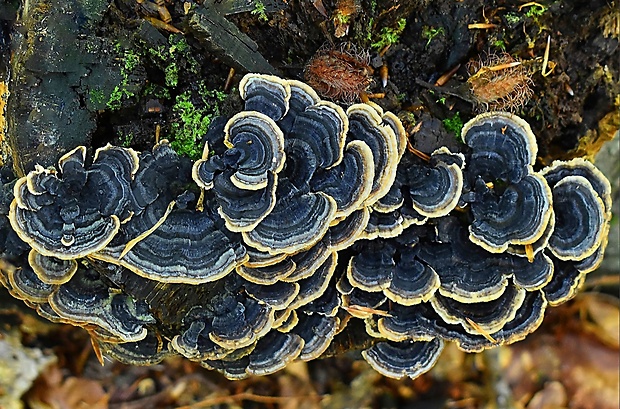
x=227 y=321
x=246 y=171
x=333 y=164
x=527 y=319
x=530 y=250
x=317 y=331
x=435 y=188
x=51 y=270
x=270 y=354
x=580 y=217
x=307 y=263
x=290 y=208
x=174 y=245
x=517 y=216
x=510 y=203
x=267 y=94
x=86 y=299
x=296 y=223
x=393 y=270
x=566 y=282
x=256 y=147
x=582 y=206
x=470 y=274
x=314 y=286
x=24 y=284
x=164 y=239
x=269 y=273
x=580 y=167
x=328 y=304
x=302 y=96
x=278 y=296
x=322 y=127
x=403 y=359
x=11 y=246
x=313 y=226
x=148 y=351
x=161 y=176
x=304 y=208
x=221 y=322
x=481 y=317
x=469 y=327
x=75 y=211
x=503 y=147
x=366 y=124
x=350 y=182
x=346 y=231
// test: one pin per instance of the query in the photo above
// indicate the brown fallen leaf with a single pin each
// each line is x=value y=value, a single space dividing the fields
x=51 y=391
x=574 y=354
x=604 y=312
x=552 y=396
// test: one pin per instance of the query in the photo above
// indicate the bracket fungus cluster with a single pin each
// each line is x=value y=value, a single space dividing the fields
x=307 y=226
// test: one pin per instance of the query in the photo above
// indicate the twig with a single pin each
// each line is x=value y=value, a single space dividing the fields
x=216 y=400
x=546 y=63
x=443 y=90
x=144 y=235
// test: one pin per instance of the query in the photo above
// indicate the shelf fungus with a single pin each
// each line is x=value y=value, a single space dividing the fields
x=395 y=271
x=75 y=211
x=51 y=270
x=469 y=274
x=511 y=204
x=403 y=359
x=435 y=188
x=176 y=246
x=307 y=229
x=582 y=202
x=86 y=299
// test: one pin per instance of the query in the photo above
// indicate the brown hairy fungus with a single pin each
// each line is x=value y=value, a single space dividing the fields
x=499 y=83
x=340 y=74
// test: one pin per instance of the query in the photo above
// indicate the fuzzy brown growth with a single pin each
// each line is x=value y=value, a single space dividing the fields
x=499 y=83
x=341 y=74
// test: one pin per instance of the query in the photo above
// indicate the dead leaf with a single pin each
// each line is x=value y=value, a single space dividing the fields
x=51 y=391
x=552 y=396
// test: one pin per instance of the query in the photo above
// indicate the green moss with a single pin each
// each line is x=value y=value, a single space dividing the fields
x=97 y=97
x=174 y=58
x=123 y=90
x=512 y=18
x=373 y=6
x=371 y=24
x=499 y=44
x=428 y=33
x=125 y=140
x=172 y=75
x=178 y=43
x=155 y=90
x=259 y=10
x=454 y=125
x=389 y=36
x=340 y=18
x=193 y=120
x=131 y=60
x=159 y=53
x=536 y=10
x=117 y=96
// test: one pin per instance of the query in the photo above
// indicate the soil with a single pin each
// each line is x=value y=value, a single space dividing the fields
x=94 y=72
